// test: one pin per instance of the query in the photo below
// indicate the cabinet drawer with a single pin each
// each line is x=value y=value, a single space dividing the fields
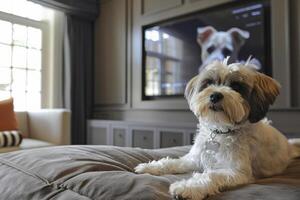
x=119 y=137
x=142 y=138
x=171 y=139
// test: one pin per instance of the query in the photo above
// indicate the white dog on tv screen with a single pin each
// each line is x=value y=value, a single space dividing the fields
x=218 y=45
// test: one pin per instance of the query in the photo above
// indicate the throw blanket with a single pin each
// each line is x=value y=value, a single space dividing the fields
x=106 y=173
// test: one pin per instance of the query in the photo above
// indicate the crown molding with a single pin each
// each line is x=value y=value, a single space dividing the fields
x=86 y=9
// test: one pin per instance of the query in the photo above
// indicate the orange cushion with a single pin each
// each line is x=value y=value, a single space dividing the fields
x=7 y=116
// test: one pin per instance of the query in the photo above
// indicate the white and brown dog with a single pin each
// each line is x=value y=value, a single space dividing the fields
x=218 y=45
x=235 y=144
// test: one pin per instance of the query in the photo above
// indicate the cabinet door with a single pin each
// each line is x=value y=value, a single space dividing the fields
x=119 y=137
x=142 y=138
x=110 y=53
x=171 y=139
x=97 y=135
x=153 y=6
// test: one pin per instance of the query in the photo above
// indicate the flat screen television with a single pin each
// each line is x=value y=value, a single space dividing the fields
x=175 y=50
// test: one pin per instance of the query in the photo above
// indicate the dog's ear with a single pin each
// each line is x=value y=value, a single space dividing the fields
x=190 y=88
x=238 y=35
x=204 y=34
x=263 y=95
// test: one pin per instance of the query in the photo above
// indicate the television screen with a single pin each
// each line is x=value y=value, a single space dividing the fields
x=175 y=50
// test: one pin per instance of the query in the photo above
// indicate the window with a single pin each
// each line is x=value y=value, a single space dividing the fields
x=164 y=54
x=21 y=52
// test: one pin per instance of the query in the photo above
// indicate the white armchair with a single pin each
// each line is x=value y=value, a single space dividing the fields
x=41 y=128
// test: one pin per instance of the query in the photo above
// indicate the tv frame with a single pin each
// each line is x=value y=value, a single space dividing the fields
x=267 y=42
x=280 y=43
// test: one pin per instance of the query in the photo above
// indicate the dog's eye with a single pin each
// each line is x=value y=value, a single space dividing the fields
x=236 y=86
x=210 y=49
x=206 y=83
x=226 y=52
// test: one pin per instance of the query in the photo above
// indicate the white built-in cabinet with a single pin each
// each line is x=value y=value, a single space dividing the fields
x=138 y=134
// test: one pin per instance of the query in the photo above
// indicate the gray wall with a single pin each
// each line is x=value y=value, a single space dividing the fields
x=118 y=61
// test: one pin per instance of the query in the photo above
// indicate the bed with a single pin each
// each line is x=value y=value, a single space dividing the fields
x=106 y=172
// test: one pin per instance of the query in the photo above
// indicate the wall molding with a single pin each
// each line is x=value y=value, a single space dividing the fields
x=84 y=8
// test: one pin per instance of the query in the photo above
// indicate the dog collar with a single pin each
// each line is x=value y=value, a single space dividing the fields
x=220 y=132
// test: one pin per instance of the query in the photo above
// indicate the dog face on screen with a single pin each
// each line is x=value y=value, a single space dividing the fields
x=217 y=45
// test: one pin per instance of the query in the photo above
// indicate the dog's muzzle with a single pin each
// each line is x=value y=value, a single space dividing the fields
x=216 y=97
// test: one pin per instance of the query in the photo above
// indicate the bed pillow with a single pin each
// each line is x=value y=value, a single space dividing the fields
x=10 y=138
x=7 y=115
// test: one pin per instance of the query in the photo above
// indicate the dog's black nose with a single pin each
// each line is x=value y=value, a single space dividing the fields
x=216 y=97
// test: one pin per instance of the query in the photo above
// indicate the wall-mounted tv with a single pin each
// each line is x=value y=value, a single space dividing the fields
x=175 y=50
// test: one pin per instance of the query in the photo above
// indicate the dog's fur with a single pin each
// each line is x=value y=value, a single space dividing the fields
x=249 y=146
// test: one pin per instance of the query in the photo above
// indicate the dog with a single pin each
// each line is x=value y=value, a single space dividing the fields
x=234 y=144
x=218 y=45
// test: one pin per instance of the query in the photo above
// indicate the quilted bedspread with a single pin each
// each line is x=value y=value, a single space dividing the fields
x=106 y=173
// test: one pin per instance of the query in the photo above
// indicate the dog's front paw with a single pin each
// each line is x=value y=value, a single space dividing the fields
x=149 y=168
x=178 y=197
x=141 y=168
x=183 y=190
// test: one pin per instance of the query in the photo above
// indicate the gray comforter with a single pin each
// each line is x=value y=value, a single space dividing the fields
x=105 y=172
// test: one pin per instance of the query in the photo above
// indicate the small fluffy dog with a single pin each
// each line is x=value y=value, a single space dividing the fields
x=218 y=45
x=234 y=144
